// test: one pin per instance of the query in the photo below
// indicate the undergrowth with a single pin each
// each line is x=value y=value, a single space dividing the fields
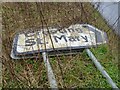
x=77 y=71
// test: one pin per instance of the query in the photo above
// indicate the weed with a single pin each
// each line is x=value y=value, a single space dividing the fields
x=78 y=70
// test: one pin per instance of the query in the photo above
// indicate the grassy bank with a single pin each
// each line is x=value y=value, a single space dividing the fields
x=73 y=71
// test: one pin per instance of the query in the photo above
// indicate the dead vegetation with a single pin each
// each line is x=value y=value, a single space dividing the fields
x=75 y=69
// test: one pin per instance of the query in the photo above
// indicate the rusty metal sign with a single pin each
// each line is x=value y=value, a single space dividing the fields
x=75 y=37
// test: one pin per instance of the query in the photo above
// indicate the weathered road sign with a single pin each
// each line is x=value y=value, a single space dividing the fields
x=75 y=37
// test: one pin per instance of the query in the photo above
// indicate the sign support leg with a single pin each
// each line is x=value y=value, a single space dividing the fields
x=51 y=76
x=101 y=69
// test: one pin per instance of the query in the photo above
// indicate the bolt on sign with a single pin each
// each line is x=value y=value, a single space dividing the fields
x=74 y=38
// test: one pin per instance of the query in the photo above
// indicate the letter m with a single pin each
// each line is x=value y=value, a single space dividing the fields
x=59 y=38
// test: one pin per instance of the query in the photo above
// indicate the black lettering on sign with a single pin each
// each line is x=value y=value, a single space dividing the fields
x=85 y=38
x=29 y=34
x=30 y=42
x=77 y=37
x=71 y=30
x=72 y=39
x=79 y=30
x=53 y=31
x=44 y=32
x=40 y=41
x=62 y=31
x=59 y=38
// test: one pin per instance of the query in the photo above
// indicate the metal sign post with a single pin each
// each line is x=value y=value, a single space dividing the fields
x=51 y=76
x=101 y=69
x=74 y=38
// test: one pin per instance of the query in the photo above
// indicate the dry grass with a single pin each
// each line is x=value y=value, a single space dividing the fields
x=77 y=70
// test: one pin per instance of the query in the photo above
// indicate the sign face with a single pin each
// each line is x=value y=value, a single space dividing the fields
x=78 y=36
